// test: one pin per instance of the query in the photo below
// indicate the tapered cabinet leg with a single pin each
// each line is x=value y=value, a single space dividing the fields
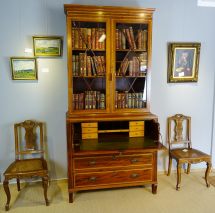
x=45 y=188
x=7 y=191
x=18 y=184
x=170 y=166
x=71 y=197
x=178 y=176
x=207 y=173
x=154 y=188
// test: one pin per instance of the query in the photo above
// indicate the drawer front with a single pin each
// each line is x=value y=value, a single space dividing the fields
x=89 y=130
x=136 y=128
x=89 y=125
x=136 y=134
x=112 y=177
x=89 y=135
x=136 y=123
x=112 y=161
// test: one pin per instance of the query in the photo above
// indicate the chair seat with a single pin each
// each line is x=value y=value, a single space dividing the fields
x=26 y=166
x=189 y=154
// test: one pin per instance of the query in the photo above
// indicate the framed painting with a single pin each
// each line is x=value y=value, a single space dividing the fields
x=183 y=62
x=24 y=68
x=47 y=46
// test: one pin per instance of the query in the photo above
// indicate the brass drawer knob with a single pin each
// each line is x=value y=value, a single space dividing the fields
x=92 y=179
x=135 y=175
x=92 y=163
x=134 y=160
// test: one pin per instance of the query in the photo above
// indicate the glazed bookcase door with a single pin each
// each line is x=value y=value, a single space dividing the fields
x=88 y=67
x=131 y=48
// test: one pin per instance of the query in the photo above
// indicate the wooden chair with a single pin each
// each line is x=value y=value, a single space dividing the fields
x=180 y=147
x=29 y=161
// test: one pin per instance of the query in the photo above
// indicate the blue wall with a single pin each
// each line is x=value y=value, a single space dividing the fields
x=46 y=99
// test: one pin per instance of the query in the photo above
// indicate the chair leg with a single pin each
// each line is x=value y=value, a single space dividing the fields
x=18 y=184
x=45 y=188
x=178 y=176
x=170 y=166
x=188 y=168
x=207 y=173
x=7 y=191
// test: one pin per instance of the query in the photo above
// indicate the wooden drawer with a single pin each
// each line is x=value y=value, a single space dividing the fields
x=89 y=136
x=136 y=134
x=89 y=125
x=112 y=161
x=112 y=177
x=136 y=128
x=136 y=123
x=89 y=130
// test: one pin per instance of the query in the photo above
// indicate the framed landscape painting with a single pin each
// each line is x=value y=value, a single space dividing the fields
x=183 y=62
x=47 y=46
x=23 y=68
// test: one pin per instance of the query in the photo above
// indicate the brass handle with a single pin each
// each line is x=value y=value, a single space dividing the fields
x=93 y=162
x=134 y=175
x=134 y=160
x=92 y=179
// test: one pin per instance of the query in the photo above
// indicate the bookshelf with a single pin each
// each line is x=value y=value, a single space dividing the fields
x=112 y=137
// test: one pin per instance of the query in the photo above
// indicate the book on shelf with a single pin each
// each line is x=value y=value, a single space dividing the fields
x=128 y=38
x=90 y=99
x=123 y=67
x=87 y=66
x=139 y=42
x=83 y=38
x=76 y=38
x=102 y=101
x=117 y=39
x=132 y=38
x=128 y=100
x=89 y=31
x=123 y=40
x=93 y=34
x=144 y=39
x=135 y=66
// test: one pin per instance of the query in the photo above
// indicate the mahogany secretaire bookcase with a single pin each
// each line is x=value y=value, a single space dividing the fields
x=112 y=138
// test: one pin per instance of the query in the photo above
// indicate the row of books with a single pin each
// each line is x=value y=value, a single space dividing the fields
x=85 y=65
x=89 y=100
x=83 y=38
x=135 y=66
x=129 y=100
x=125 y=39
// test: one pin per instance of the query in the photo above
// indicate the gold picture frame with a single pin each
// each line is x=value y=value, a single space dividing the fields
x=48 y=46
x=24 y=68
x=183 y=62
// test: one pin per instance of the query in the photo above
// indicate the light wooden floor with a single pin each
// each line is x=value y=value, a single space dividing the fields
x=194 y=196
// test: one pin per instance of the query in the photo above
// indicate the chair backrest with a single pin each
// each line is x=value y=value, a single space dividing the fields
x=29 y=139
x=179 y=131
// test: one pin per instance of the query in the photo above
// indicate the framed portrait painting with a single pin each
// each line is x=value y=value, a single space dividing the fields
x=23 y=68
x=183 y=62
x=47 y=46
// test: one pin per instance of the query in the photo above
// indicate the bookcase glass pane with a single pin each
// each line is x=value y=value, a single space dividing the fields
x=89 y=65
x=131 y=47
